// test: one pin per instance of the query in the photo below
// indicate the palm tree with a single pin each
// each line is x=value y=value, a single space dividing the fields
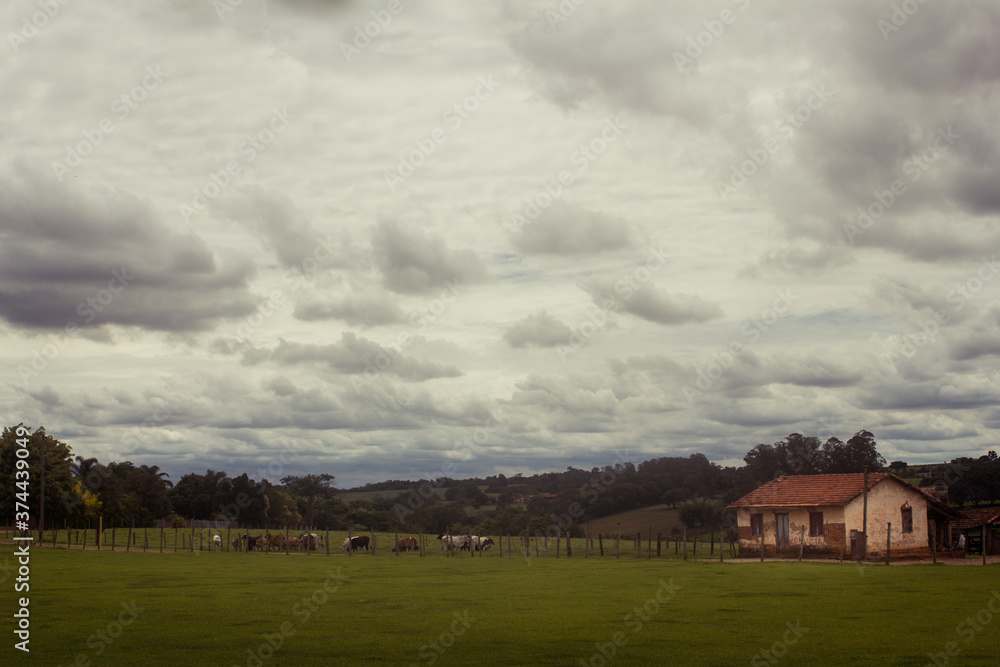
x=162 y=475
x=83 y=466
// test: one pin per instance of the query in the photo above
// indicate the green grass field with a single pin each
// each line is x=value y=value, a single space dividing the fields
x=104 y=608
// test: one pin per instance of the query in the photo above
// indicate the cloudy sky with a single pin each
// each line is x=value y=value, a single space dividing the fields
x=390 y=239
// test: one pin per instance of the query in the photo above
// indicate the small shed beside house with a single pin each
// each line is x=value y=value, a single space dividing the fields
x=830 y=508
x=973 y=523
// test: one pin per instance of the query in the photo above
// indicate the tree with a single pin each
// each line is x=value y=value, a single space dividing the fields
x=855 y=455
x=61 y=497
x=312 y=489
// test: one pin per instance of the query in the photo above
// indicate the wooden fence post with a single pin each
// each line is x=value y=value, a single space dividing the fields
x=762 y=544
x=569 y=545
x=802 y=541
x=659 y=539
x=888 y=541
x=128 y=540
x=600 y=543
x=982 y=540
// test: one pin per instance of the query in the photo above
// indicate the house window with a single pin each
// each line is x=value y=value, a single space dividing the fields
x=756 y=525
x=815 y=524
x=907 y=522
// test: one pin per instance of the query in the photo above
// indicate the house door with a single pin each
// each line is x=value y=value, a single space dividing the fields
x=781 y=522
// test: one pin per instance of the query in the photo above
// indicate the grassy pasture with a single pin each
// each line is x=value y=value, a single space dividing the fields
x=219 y=609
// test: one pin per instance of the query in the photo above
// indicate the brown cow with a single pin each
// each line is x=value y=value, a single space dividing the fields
x=275 y=541
x=406 y=544
x=294 y=543
x=237 y=544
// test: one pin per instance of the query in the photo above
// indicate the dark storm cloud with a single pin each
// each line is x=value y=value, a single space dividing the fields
x=538 y=330
x=413 y=262
x=105 y=258
x=568 y=229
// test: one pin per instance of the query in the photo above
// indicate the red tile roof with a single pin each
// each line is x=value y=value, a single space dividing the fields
x=812 y=490
x=976 y=518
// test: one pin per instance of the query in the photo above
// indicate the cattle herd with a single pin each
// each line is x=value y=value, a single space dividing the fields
x=272 y=542
x=465 y=542
x=311 y=542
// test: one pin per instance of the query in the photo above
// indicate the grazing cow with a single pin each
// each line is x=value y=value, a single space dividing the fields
x=253 y=541
x=217 y=542
x=294 y=543
x=237 y=545
x=355 y=543
x=454 y=542
x=275 y=541
x=311 y=541
x=406 y=544
x=481 y=543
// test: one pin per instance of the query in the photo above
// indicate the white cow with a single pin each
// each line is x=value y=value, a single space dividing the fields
x=217 y=541
x=481 y=543
x=454 y=542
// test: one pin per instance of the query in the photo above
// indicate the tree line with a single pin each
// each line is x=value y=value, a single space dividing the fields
x=78 y=490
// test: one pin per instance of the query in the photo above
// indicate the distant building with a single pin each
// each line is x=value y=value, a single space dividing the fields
x=830 y=509
x=971 y=524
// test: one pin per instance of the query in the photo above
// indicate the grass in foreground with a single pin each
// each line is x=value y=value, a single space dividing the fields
x=195 y=608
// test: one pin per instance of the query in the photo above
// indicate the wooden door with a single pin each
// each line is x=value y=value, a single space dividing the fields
x=781 y=522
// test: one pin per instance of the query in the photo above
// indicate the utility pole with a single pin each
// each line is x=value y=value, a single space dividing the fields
x=864 y=522
x=41 y=506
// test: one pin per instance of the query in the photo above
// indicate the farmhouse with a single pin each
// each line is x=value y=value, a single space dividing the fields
x=824 y=515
